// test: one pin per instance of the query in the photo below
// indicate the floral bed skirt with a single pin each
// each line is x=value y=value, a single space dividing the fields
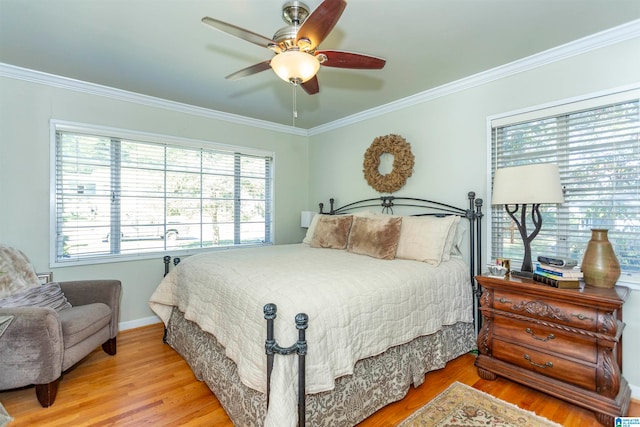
x=376 y=381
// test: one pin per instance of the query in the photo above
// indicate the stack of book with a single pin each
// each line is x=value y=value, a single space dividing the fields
x=559 y=277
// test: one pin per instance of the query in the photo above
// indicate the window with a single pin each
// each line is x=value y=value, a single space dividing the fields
x=120 y=195
x=596 y=144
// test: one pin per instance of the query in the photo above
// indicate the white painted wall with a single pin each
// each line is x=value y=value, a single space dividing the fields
x=25 y=112
x=448 y=136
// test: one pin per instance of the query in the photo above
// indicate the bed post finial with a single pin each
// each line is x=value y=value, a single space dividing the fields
x=270 y=311
x=166 y=259
x=302 y=323
x=331 y=202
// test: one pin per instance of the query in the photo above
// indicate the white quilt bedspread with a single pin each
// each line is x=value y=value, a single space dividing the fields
x=358 y=307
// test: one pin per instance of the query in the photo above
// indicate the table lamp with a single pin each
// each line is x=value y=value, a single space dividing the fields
x=519 y=186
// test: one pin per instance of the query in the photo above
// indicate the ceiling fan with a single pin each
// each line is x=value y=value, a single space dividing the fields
x=297 y=57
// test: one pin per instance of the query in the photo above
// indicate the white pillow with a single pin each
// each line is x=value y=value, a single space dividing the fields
x=460 y=230
x=312 y=229
x=452 y=239
x=428 y=239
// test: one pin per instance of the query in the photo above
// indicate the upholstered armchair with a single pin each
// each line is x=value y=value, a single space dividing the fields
x=46 y=329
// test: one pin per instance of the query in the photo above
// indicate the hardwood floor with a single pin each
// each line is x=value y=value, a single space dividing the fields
x=147 y=383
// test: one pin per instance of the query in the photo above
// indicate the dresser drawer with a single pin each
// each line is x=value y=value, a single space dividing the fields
x=546 y=339
x=551 y=365
x=552 y=311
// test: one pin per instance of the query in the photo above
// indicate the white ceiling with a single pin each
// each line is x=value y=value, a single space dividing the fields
x=160 y=48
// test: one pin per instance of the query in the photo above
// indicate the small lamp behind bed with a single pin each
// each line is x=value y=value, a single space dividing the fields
x=521 y=185
x=305 y=218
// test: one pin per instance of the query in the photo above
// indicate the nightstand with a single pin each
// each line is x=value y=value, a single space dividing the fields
x=564 y=342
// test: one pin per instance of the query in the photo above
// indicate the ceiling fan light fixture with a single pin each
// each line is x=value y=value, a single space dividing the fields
x=304 y=44
x=294 y=66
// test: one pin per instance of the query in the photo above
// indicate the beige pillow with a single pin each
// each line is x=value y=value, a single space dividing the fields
x=451 y=244
x=456 y=248
x=312 y=229
x=375 y=236
x=427 y=238
x=332 y=231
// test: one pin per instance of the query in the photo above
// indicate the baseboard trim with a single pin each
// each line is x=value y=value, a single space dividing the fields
x=137 y=323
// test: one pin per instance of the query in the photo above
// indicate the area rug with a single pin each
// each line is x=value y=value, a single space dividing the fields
x=464 y=406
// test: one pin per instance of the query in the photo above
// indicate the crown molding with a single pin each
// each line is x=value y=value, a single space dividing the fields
x=19 y=73
x=595 y=41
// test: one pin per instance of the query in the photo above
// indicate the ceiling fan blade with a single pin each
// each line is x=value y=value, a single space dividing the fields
x=320 y=23
x=238 y=32
x=254 y=69
x=311 y=86
x=339 y=59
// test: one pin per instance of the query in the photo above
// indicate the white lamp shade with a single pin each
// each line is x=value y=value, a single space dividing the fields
x=305 y=218
x=294 y=66
x=537 y=183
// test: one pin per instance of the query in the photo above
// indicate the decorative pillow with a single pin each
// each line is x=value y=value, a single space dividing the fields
x=427 y=238
x=16 y=272
x=452 y=238
x=457 y=231
x=332 y=231
x=49 y=295
x=312 y=229
x=375 y=236
x=369 y=214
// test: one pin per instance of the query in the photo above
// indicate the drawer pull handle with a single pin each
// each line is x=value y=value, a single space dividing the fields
x=582 y=317
x=546 y=365
x=533 y=335
x=503 y=300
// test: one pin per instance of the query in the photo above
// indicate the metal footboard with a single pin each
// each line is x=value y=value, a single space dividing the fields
x=300 y=347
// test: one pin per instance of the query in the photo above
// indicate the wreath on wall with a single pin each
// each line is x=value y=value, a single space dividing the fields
x=403 y=161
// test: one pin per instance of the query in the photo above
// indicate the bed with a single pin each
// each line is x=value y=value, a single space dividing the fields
x=388 y=298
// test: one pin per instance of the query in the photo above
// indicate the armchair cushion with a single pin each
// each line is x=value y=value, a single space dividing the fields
x=80 y=322
x=105 y=291
x=49 y=295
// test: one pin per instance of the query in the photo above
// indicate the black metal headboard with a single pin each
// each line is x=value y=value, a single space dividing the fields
x=425 y=207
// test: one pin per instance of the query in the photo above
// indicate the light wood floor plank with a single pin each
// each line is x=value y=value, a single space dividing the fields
x=148 y=383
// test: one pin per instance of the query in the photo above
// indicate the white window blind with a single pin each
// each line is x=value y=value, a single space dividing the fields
x=120 y=197
x=597 y=149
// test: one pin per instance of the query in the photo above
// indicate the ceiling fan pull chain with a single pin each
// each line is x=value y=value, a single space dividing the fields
x=295 y=105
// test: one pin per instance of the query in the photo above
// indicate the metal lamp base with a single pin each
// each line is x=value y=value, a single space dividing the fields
x=526 y=274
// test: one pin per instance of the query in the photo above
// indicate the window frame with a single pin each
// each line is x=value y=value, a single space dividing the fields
x=152 y=138
x=566 y=106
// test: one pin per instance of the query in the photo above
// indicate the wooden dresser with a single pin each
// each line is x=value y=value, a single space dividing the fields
x=564 y=342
